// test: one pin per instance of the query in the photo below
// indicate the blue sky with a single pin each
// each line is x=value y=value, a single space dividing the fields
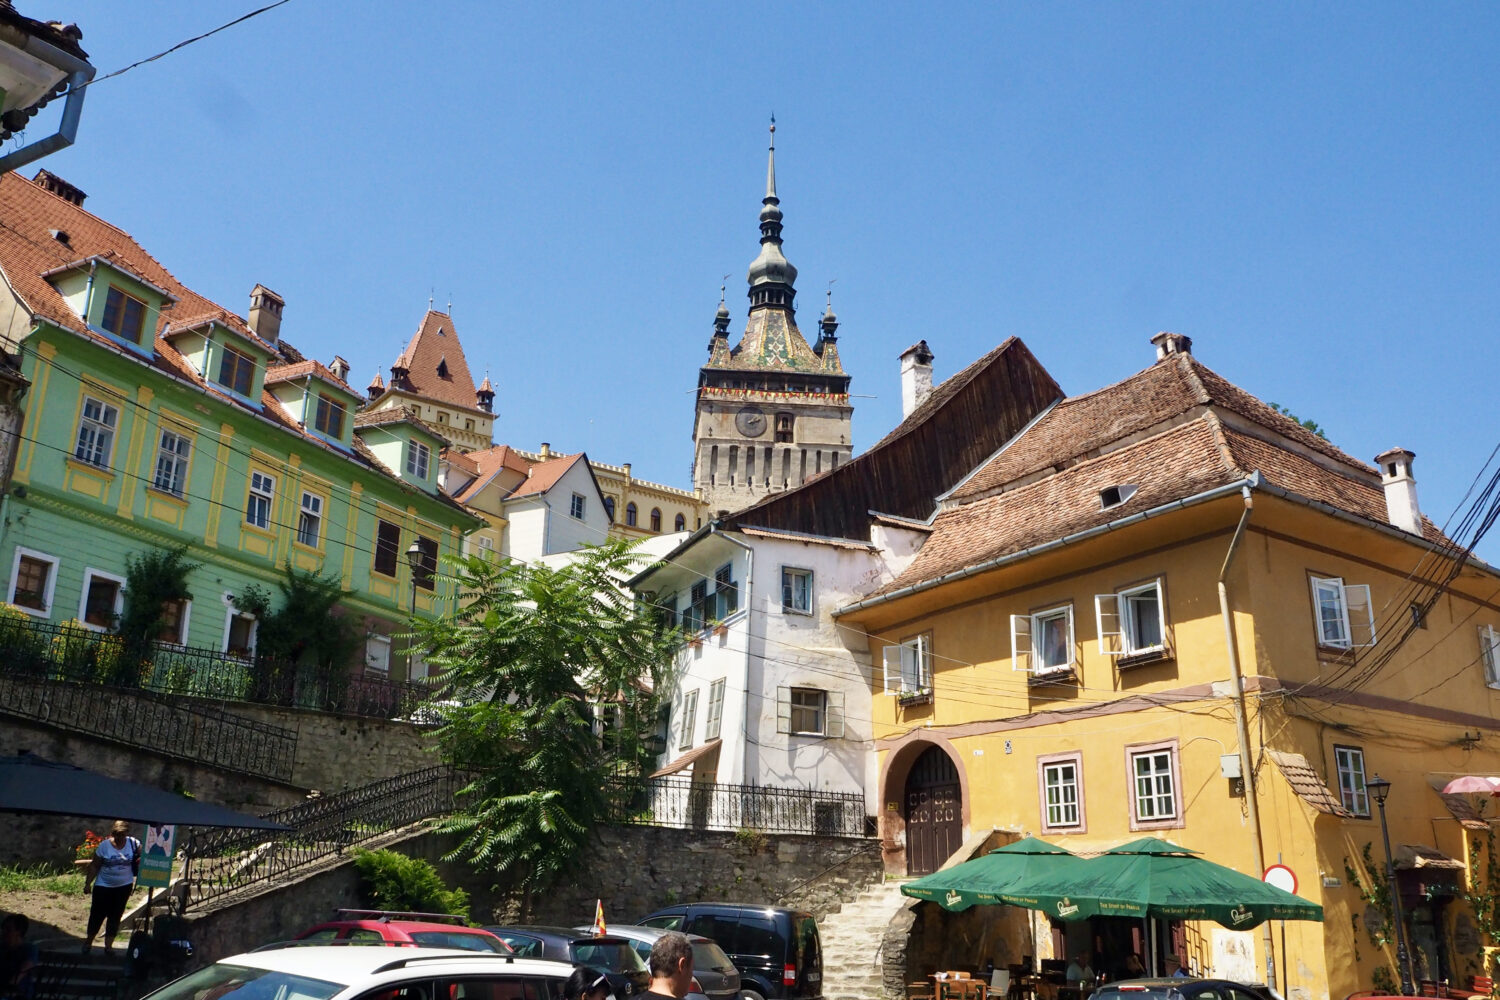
x=1309 y=191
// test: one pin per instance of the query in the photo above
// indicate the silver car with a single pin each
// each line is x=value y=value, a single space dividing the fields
x=716 y=975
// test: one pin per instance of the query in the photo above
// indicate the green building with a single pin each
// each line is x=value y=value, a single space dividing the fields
x=157 y=418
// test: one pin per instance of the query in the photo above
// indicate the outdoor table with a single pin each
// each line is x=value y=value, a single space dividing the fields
x=950 y=987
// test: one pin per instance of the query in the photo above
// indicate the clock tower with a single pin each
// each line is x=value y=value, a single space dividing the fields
x=772 y=411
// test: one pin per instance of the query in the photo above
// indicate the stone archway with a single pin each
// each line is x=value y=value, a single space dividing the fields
x=922 y=761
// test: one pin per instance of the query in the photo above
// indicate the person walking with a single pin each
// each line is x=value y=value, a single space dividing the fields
x=110 y=876
x=586 y=984
x=671 y=968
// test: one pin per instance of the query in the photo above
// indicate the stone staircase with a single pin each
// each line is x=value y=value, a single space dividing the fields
x=852 y=940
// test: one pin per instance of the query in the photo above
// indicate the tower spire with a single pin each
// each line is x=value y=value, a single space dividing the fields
x=771 y=275
x=771 y=167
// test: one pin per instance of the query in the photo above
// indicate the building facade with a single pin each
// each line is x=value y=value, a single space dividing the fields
x=158 y=419
x=431 y=377
x=772 y=411
x=1164 y=609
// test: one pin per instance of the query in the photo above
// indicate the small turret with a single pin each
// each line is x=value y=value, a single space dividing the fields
x=376 y=388
x=485 y=395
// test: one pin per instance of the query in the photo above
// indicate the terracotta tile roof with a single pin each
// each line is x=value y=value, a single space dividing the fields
x=461 y=461
x=489 y=463
x=544 y=475
x=392 y=415
x=1307 y=783
x=432 y=348
x=287 y=373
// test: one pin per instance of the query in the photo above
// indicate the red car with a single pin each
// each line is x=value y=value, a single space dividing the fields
x=411 y=930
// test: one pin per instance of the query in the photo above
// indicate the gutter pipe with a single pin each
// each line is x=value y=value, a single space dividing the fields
x=80 y=72
x=714 y=529
x=1241 y=724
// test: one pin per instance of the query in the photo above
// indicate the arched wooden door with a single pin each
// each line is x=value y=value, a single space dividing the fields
x=934 y=812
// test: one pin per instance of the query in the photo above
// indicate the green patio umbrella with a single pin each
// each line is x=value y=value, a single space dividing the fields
x=1001 y=876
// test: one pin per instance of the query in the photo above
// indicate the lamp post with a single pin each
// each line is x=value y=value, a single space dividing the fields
x=1379 y=788
x=414 y=563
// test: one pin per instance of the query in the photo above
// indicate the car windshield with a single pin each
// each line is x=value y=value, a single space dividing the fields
x=611 y=956
x=707 y=955
x=458 y=939
x=241 y=983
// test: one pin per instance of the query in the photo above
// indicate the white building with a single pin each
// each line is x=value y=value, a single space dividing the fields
x=768 y=691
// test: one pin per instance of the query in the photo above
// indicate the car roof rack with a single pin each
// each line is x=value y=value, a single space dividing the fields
x=337 y=943
x=388 y=915
x=402 y=963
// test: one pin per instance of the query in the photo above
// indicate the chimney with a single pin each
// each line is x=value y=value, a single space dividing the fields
x=916 y=377
x=67 y=192
x=340 y=368
x=265 y=313
x=1400 y=489
x=1168 y=344
x=546 y=451
x=626 y=467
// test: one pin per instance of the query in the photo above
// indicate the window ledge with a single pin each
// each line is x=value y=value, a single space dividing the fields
x=316 y=550
x=1068 y=675
x=1143 y=658
x=796 y=611
x=34 y=612
x=907 y=699
x=168 y=496
x=256 y=529
x=101 y=471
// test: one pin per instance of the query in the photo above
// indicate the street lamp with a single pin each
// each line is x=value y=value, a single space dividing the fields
x=1379 y=788
x=414 y=562
x=38 y=61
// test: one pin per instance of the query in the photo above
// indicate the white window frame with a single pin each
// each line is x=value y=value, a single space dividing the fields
x=789 y=605
x=1356 y=614
x=1349 y=765
x=576 y=506
x=418 y=458
x=266 y=494
x=1024 y=628
x=15 y=568
x=313 y=513
x=1159 y=821
x=230 y=614
x=715 y=720
x=689 y=720
x=908 y=665
x=182 y=628
x=96 y=427
x=378 y=653
x=89 y=573
x=1050 y=764
x=1489 y=654
x=1116 y=626
x=176 y=460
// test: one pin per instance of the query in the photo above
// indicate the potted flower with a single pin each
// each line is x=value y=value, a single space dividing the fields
x=84 y=853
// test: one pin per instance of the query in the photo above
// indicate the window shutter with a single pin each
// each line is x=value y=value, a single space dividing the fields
x=1020 y=642
x=1489 y=651
x=786 y=591
x=1359 y=615
x=922 y=654
x=1107 y=619
x=783 y=710
x=1072 y=643
x=833 y=728
x=890 y=661
x=1330 y=632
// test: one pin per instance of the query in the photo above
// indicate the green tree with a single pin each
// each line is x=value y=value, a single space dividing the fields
x=393 y=881
x=528 y=654
x=1311 y=425
x=152 y=578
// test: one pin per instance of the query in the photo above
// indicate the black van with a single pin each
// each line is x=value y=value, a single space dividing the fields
x=776 y=950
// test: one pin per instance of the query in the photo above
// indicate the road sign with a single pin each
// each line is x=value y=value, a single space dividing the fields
x=1281 y=877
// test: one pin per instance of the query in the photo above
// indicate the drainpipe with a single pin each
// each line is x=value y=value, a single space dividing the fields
x=1241 y=726
x=80 y=72
x=749 y=614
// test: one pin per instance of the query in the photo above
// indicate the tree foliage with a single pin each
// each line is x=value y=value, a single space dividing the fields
x=152 y=578
x=392 y=881
x=1311 y=425
x=307 y=626
x=528 y=654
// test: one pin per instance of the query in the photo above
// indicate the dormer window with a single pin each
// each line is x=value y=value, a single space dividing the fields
x=443 y=368
x=330 y=417
x=1113 y=496
x=417 y=457
x=236 y=371
x=124 y=315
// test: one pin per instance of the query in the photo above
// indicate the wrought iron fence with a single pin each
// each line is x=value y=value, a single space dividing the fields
x=699 y=805
x=222 y=862
x=72 y=652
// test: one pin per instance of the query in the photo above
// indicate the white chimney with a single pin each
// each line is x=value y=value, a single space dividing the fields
x=1168 y=344
x=916 y=377
x=265 y=313
x=340 y=368
x=1400 y=489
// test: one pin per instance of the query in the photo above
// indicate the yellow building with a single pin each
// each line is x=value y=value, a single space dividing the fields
x=639 y=508
x=1062 y=657
x=431 y=378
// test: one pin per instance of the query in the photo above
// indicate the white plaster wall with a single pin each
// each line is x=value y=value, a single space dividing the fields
x=566 y=532
x=523 y=534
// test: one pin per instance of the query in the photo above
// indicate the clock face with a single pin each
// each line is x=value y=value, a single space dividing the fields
x=750 y=421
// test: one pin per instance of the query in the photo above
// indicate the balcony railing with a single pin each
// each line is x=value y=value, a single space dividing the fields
x=72 y=652
x=699 y=805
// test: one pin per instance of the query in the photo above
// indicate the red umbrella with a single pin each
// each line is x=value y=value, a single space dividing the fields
x=1473 y=784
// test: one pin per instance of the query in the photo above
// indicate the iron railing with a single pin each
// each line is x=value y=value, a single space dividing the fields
x=221 y=862
x=699 y=805
x=185 y=730
x=72 y=652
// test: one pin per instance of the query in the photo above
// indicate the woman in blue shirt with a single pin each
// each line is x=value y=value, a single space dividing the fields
x=111 y=876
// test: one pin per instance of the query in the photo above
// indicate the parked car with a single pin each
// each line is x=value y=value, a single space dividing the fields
x=713 y=970
x=614 y=956
x=323 y=972
x=1183 y=989
x=416 y=930
x=776 y=950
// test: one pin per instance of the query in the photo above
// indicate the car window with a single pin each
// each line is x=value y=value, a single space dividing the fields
x=757 y=936
x=1237 y=993
x=491 y=988
x=222 y=980
x=671 y=921
x=326 y=934
x=642 y=948
x=610 y=956
x=1200 y=993
x=413 y=990
x=523 y=946
x=719 y=928
x=363 y=935
x=707 y=955
x=457 y=939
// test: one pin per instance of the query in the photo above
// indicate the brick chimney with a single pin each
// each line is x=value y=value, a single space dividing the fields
x=67 y=192
x=916 y=377
x=265 y=313
x=1400 y=489
x=1168 y=344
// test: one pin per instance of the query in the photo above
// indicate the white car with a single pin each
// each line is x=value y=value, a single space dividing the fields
x=346 y=973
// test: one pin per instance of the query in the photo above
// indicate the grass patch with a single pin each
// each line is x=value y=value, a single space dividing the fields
x=39 y=878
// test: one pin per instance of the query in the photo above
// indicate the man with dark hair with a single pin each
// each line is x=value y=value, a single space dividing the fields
x=671 y=967
x=18 y=957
